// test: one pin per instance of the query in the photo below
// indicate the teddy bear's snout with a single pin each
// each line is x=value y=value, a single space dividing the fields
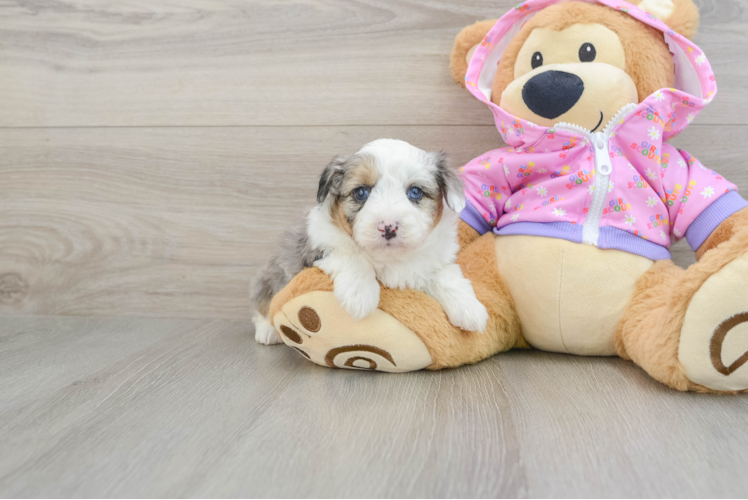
x=552 y=93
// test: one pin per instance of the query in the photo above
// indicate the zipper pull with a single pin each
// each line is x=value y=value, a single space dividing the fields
x=600 y=140
x=601 y=155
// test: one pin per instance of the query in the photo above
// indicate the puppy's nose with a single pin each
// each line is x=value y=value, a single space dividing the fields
x=388 y=229
x=552 y=93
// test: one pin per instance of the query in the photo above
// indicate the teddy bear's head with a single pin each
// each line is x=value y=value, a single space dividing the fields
x=580 y=62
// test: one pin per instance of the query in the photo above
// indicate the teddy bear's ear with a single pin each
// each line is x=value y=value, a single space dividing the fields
x=465 y=44
x=682 y=16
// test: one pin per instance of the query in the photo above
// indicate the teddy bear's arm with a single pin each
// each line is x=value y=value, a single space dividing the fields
x=699 y=200
x=734 y=224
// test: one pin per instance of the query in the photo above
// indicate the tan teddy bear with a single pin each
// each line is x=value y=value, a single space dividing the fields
x=576 y=214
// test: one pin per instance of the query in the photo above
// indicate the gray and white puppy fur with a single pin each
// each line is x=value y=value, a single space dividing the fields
x=381 y=217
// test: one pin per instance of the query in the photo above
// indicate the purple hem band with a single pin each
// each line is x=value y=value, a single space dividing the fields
x=722 y=208
x=611 y=238
x=561 y=230
x=474 y=219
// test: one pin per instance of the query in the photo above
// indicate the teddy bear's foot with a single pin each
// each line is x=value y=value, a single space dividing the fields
x=713 y=346
x=316 y=326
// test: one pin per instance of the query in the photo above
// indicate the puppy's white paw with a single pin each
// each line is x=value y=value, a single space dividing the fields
x=358 y=297
x=468 y=313
x=265 y=331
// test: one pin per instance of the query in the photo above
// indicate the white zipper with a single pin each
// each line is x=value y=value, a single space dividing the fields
x=600 y=142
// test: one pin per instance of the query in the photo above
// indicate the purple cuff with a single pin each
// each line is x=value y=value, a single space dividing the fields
x=712 y=217
x=474 y=219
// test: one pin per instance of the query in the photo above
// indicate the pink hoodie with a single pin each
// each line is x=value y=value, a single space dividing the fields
x=623 y=188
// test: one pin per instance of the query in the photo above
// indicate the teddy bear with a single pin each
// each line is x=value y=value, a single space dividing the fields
x=567 y=229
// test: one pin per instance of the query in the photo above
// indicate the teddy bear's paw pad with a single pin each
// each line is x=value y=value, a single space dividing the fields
x=714 y=339
x=317 y=326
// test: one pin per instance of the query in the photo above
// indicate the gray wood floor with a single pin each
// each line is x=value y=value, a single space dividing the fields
x=150 y=155
x=191 y=407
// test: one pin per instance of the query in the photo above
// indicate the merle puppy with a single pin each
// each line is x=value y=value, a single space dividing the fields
x=386 y=214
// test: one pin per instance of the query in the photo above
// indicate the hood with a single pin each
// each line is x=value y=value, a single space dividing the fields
x=695 y=84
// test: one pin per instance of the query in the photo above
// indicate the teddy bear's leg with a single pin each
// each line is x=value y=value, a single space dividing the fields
x=689 y=328
x=409 y=331
x=649 y=332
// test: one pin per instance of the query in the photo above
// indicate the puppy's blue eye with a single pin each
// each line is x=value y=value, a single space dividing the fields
x=415 y=193
x=361 y=193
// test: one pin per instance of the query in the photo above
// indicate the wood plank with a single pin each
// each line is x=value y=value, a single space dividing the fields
x=295 y=62
x=101 y=407
x=174 y=222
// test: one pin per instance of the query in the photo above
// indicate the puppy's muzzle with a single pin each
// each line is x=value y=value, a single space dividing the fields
x=552 y=93
x=388 y=230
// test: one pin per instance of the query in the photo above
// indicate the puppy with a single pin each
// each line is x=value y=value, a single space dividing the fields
x=381 y=217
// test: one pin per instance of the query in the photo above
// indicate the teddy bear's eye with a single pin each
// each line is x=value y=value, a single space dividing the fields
x=537 y=60
x=587 y=52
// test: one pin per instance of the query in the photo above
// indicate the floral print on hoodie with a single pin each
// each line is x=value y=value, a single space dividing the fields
x=623 y=188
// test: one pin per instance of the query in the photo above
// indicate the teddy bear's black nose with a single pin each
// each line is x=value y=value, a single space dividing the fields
x=552 y=93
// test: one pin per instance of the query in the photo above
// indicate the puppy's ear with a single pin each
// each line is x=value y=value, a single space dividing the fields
x=449 y=182
x=465 y=44
x=682 y=16
x=331 y=179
